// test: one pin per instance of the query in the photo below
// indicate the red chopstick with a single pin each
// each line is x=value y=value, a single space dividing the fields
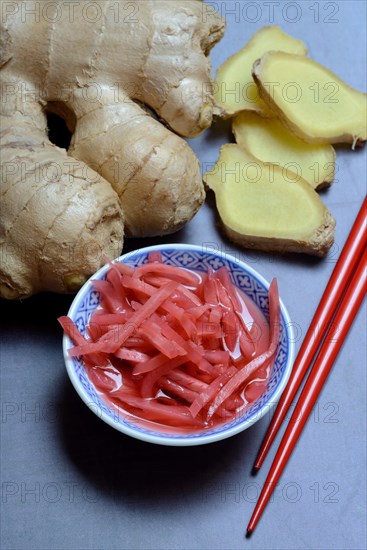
x=343 y=319
x=345 y=266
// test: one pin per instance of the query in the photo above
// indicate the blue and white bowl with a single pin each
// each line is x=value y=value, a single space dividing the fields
x=199 y=259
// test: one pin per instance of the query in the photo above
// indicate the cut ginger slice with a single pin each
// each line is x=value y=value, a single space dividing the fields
x=269 y=141
x=260 y=208
x=235 y=89
x=310 y=100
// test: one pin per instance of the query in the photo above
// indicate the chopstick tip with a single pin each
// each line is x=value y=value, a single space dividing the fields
x=255 y=469
x=248 y=533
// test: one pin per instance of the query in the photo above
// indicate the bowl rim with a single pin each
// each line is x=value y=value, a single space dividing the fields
x=183 y=441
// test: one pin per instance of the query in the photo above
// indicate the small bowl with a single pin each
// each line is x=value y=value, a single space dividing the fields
x=197 y=258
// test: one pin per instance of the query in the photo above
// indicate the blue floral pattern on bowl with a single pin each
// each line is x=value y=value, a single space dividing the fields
x=197 y=258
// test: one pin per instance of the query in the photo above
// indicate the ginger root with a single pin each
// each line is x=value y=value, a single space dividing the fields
x=235 y=89
x=311 y=101
x=261 y=208
x=268 y=140
x=62 y=213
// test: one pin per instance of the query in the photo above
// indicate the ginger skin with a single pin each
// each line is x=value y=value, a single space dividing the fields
x=63 y=212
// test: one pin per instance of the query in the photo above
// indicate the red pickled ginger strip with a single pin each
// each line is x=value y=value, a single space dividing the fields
x=211 y=391
x=248 y=371
x=155 y=256
x=114 y=339
x=174 y=273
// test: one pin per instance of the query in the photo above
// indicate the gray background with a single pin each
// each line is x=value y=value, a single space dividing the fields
x=70 y=481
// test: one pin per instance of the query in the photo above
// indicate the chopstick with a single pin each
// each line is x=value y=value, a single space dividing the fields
x=329 y=350
x=349 y=257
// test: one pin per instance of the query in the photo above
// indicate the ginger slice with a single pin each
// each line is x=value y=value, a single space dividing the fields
x=234 y=88
x=261 y=209
x=310 y=100
x=269 y=141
